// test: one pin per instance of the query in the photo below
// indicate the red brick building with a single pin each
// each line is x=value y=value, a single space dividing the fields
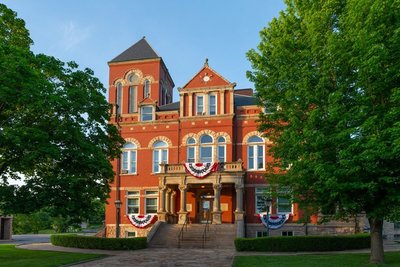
x=212 y=122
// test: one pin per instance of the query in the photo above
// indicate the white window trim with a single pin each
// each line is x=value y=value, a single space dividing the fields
x=217 y=156
x=150 y=196
x=146 y=81
x=255 y=157
x=129 y=161
x=152 y=113
x=203 y=112
x=131 y=197
x=255 y=199
x=159 y=150
x=216 y=104
x=134 y=100
x=187 y=152
x=212 y=151
x=277 y=207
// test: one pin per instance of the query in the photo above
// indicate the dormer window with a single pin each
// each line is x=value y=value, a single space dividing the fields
x=200 y=105
x=146 y=113
x=146 y=89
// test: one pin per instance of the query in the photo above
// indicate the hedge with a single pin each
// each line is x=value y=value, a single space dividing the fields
x=79 y=241
x=303 y=243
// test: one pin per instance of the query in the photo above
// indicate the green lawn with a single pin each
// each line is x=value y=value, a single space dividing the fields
x=11 y=256
x=392 y=259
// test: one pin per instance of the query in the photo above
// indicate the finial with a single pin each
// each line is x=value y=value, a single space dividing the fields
x=144 y=37
x=206 y=63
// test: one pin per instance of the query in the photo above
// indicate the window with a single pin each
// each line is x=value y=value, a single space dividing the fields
x=130 y=234
x=133 y=78
x=255 y=153
x=132 y=200
x=160 y=155
x=221 y=149
x=128 y=162
x=118 y=98
x=287 y=233
x=261 y=233
x=261 y=197
x=146 y=89
x=132 y=99
x=283 y=205
x=191 y=150
x=206 y=148
x=212 y=104
x=146 y=113
x=151 y=201
x=200 y=105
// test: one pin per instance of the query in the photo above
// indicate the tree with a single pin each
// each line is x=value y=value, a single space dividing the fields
x=54 y=130
x=328 y=72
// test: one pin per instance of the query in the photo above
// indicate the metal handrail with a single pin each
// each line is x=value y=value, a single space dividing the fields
x=184 y=226
x=206 y=228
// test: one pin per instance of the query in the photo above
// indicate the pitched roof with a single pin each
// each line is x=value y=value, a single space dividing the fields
x=140 y=50
x=244 y=100
x=169 y=107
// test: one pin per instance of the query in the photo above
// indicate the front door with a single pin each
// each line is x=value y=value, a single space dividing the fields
x=205 y=207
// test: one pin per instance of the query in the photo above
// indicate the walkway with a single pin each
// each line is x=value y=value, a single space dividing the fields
x=162 y=257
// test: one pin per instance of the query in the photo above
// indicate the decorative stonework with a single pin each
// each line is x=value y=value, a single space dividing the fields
x=148 y=77
x=134 y=141
x=110 y=230
x=186 y=137
x=119 y=80
x=256 y=133
x=225 y=135
x=136 y=72
x=160 y=138
x=207 y=131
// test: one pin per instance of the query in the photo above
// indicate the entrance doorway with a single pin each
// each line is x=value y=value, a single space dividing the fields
x=205 y=208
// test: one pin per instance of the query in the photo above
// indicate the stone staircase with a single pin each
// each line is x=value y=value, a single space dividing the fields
x=218 y=236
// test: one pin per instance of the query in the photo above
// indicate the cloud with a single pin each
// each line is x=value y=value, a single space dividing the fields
x=73 y=35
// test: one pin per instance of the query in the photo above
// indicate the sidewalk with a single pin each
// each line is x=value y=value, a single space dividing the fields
x=179 y=257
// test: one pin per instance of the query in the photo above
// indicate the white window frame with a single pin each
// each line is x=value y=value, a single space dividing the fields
x=136 y=195
x=223 y=145
x=259 y=192
x=203 y=110
x=148 y=195
x=254 y=146
x=146 y=88
x=132 y=91
x=216 y=104
x=283 y=212
x=159 y=151
x=129 y=152
x=141 y=112
x=206 y=145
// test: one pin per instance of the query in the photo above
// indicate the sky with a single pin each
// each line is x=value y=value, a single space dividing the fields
x=183 y=33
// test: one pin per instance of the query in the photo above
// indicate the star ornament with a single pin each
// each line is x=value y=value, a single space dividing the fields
x=206 y=77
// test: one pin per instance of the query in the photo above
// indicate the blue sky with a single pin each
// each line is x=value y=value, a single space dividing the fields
x=183 y=33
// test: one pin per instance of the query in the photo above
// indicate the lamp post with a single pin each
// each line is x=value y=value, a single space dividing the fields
x=118 y=172
x=267 y=203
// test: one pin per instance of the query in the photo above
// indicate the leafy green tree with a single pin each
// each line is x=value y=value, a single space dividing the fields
x=54 y=130
x=328 y=72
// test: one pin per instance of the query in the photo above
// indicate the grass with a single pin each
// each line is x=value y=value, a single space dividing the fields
x=392 y=259
x=11 y=256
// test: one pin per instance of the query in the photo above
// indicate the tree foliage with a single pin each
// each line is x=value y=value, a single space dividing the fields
x=328 y=71
x=54 y=129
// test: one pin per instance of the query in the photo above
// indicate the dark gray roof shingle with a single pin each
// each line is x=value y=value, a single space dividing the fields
x=140 y=50
x=168 y=107
x=242 y=100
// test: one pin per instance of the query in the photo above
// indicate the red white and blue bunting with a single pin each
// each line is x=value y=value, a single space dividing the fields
x=273 y=221
x=201 y=170
x=142 y=221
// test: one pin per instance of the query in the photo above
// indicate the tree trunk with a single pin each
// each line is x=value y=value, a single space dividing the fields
x=377 y=256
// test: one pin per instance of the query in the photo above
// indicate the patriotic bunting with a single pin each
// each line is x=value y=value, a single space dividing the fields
x=273 y=221
x=141 y=221
x=201 y=170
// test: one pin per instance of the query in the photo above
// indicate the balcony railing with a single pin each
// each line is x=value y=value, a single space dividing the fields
x=222 y=167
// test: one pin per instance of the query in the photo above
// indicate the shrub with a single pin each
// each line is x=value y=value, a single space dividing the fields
x=303 y=243
x=78 y=241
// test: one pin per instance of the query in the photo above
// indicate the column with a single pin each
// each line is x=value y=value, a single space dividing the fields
x=190 y=104
x=182 y=212
x=222 y=101
x=181 y=107
x=217 y=204
x=168 y=200
x=172 y=208
x=239 y=213
x=162 y=213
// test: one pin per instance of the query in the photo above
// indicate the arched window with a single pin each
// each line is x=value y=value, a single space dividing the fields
x=118 y=98
x=128 y=159
x=160 y=155
x=206 y=148
x=132 y=99
x=191 y=150
x=146 y=88
x=255 y=153
x=133 y=78
x=221 y=149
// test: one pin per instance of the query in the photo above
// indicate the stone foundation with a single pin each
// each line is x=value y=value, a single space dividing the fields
x=124 y=228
